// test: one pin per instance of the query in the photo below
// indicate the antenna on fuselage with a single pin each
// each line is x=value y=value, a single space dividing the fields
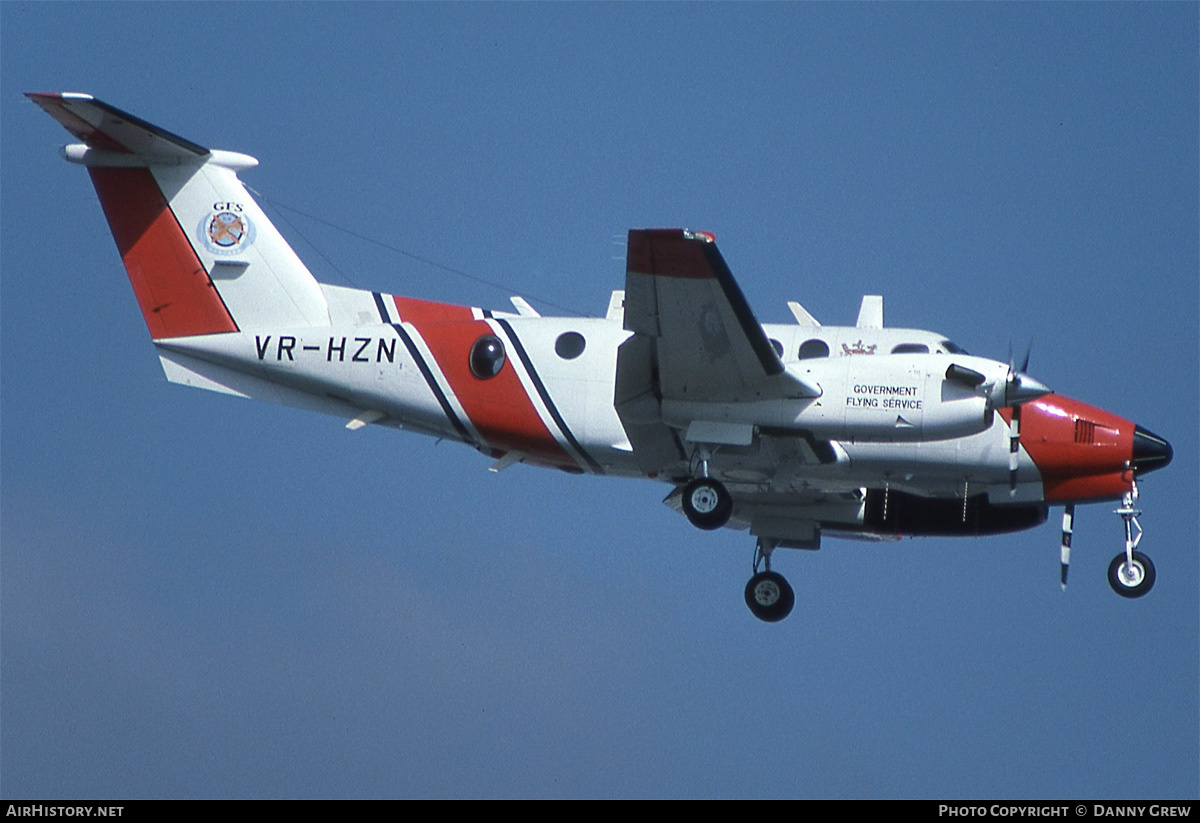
x=803 y=318
x=870 y=313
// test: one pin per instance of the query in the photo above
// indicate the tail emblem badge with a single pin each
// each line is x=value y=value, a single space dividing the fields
x=226 y=232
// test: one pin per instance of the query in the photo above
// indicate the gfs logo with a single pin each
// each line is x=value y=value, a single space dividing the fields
x=226 y=229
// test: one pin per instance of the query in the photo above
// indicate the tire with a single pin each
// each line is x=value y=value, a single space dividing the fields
x=1140 y=582
x=707 y=503
x=769 y=597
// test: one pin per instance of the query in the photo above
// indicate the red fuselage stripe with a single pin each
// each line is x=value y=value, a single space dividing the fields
x=498 y=407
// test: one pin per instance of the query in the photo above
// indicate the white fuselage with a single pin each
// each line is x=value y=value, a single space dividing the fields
x=409 y=370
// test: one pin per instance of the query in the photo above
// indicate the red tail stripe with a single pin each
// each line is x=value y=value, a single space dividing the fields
x=173 y=289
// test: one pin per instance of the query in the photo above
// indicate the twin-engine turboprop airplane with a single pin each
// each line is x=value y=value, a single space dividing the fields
x=793 y=432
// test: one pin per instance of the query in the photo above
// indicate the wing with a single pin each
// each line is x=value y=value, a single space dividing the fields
x=710 y=347
x=695 y=338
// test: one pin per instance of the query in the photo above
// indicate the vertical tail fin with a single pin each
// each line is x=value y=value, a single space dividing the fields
x=201 y=255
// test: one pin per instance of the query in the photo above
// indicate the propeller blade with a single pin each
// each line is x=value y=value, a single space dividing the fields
x=1014 y=449
x=1068 y=528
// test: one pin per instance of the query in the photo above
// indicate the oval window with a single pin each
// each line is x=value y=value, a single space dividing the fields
x=777 y=346
x=569 y=345
x=911 y=348
x=487 y=357
x=813 y=348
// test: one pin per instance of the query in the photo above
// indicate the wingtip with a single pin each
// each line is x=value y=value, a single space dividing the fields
x=60 y=95
x=668 y=253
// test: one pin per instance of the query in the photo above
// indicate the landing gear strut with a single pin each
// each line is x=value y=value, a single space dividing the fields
x=768 y=594
x=1131 y=574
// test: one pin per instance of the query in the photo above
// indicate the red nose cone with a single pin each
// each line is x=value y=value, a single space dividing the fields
x=1082 y=452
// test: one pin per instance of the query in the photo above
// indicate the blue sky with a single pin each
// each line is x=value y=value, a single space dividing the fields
x=209 y=597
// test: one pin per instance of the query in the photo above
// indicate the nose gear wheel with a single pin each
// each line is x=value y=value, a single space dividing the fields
x=1131 y=574
x=1131 y=577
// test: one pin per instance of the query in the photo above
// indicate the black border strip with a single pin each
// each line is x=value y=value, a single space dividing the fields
x=429 y=378
x=545 y=395
x=379 y=304
x=413 y=352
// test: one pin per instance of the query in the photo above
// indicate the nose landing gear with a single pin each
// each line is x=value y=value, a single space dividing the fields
x=1131 y=574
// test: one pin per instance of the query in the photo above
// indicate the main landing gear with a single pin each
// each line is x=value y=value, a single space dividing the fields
x=708 y=505
x=706 y=502
x=768 y=594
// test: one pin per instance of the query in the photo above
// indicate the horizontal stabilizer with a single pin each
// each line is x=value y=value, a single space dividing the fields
x=202 y=256
x=101 y=126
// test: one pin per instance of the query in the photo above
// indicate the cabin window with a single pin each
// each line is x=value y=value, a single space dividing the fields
x=487 y=357
x=911 y=348
x=813 y=348
x=777 y=346
x=953 y=348
x=569 y=345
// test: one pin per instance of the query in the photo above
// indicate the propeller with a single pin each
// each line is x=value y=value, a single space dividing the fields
x=1068 y=529
x=1024 y=363
x=1017 y=388
x=1014 y=449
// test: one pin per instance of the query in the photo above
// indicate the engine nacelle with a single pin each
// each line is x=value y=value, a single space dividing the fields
x=895 y=398
x=868 y=399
